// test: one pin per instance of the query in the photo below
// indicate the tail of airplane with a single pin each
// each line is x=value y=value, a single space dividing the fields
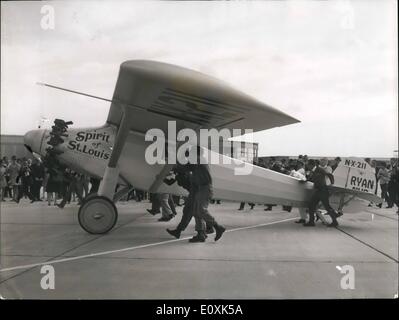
x=354 y=177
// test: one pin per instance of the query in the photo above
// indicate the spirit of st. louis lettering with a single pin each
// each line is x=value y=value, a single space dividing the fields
x=90 y=143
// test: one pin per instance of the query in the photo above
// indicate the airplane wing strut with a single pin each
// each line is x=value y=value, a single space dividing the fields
x=111 y=174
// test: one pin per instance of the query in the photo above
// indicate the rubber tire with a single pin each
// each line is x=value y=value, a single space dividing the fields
x=104 y=203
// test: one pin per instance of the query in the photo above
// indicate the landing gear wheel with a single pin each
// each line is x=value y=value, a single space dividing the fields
x=97 y=215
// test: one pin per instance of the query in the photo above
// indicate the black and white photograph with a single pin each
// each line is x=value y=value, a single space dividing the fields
x=199 y=150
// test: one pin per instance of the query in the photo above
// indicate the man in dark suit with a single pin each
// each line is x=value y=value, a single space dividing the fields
x=318 y=176
x=37 y=170
x=25 y=177
x=182 y=177
x=202 y=182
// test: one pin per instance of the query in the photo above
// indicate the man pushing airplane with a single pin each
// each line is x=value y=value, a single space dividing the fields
x=196 y=178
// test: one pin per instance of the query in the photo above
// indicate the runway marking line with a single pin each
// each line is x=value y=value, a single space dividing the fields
x=50 y=262
x=368 y=245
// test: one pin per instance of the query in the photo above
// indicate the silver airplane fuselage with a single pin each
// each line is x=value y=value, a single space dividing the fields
x=87 y=150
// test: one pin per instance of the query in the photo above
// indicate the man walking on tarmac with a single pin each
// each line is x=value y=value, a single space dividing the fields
x=182 y=177
x=202 y=183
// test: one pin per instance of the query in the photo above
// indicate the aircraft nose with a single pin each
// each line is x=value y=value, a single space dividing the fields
x=33 y=140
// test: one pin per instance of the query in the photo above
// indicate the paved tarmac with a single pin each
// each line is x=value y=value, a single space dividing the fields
x=263 y=255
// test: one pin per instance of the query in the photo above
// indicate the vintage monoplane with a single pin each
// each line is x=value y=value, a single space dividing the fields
x=150 y=94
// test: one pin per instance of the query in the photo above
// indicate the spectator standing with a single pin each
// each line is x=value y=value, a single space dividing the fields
x=26 y=180
x=38 y=173
x=3 y=180
x=7 y=189
x=13 y=172
x=383 y=177
x=393 y=185
x=51 y=185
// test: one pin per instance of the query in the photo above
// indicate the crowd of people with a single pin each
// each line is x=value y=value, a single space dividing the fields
x=20 y=178
x=387 y=176
x=26 y=178
x=30 y=178
x=286 y=165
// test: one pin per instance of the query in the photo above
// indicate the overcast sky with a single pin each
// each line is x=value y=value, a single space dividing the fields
x=332 y=65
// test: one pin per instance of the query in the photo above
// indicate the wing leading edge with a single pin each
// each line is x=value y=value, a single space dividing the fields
x=162 y=92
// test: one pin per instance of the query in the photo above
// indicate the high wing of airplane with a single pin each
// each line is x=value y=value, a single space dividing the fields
x=159 y=92
x=148 y=95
